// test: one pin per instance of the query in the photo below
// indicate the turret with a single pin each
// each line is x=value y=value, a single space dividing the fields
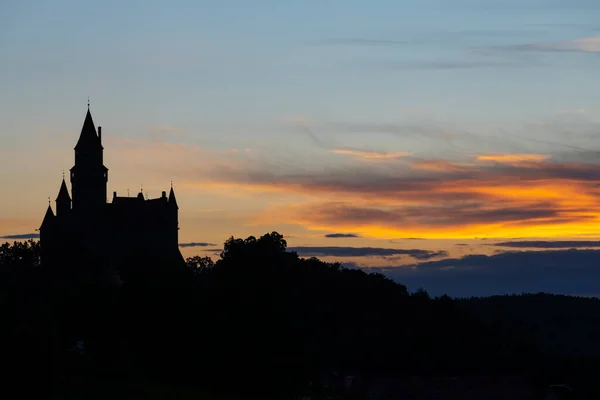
x=172 y=199
x=48 y=218
x=174 y=218
x=89 y=175
x=63 y=201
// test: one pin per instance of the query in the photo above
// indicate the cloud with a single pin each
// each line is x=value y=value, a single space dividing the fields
x=460 y=64
x=558 y=244
x=576 y=111
x=370 y=155
x=496 y=195
x=24 y=236
x=302 y=123
x=363 y=42
x=165 y=132
x=513 y=158
x=524 y=196
x=196 y=244
x=341 y=235
x=574 y=272
x=334 y=251
x=214 y=251
x=581 y=45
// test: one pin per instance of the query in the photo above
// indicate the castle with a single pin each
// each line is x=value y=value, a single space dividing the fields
x=107 y=233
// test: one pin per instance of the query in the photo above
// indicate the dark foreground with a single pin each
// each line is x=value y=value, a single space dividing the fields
x=263 y=322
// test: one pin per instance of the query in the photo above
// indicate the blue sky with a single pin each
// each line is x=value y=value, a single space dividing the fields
x=377 y=118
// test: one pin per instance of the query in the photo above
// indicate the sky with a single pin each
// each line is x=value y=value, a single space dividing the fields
x=429 y=140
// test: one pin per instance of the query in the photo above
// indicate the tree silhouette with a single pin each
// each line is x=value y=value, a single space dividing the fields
x=24 y=254
x=268 y=320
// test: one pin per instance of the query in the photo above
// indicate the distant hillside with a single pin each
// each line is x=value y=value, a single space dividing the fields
x=558 y=325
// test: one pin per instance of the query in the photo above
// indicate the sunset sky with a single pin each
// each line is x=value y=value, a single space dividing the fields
x=427 y=139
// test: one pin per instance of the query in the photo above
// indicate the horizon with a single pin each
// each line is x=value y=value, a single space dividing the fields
x=440 y=135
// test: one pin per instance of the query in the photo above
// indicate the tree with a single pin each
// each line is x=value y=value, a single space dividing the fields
x=20 y=254
x=268 y=245
x=200 y=264
x=421 y=294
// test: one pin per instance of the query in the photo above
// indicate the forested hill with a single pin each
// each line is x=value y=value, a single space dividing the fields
x=558 y=324
x=266 y=319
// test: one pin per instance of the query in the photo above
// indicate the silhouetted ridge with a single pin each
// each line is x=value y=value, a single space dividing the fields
x=272 y=322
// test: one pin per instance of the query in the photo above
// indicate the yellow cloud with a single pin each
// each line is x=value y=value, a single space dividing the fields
x=513 y=158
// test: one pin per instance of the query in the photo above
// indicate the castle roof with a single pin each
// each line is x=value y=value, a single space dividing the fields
x=172 y=199
x=48 y=218
x=63 y=193
x=88 y=139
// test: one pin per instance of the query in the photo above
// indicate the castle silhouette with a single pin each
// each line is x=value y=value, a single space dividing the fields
x=107 y=233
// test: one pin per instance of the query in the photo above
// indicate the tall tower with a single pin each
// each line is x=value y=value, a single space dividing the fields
x=89 y=175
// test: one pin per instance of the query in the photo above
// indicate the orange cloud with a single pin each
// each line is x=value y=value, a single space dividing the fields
x=513 y=158
x=516 y=195
x=447 y=200
x=370 y=154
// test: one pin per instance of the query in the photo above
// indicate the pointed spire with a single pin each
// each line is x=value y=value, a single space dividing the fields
x=63 y=193
x=172 y=199
x=88 y=137
x=49 y=217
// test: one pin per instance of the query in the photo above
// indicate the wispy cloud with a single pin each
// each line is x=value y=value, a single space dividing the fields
x=341 y=235
x=557 y=244
x=362 y=42
x=196 y=244
x=536 y=198
x=370 y=155
x=161 y=130
x=580 y=45
x=22 y=237
x=513 y=158
x=574 y=111
x=331 y=251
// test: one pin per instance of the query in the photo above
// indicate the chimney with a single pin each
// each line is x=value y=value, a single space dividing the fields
x=100 y=134
x=114 y=195
x=164 y=194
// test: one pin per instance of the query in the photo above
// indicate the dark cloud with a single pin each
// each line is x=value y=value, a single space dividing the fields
x=558 y=244
x=437 y=192
x=331 y=251
x=452 y=214
x=572 y=272
x=215 y=250
x=341 y=235
x=24 y=236
x=196 y=244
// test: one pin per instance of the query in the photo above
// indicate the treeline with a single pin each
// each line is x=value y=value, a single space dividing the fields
x=259 y=319
x=567 y=326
